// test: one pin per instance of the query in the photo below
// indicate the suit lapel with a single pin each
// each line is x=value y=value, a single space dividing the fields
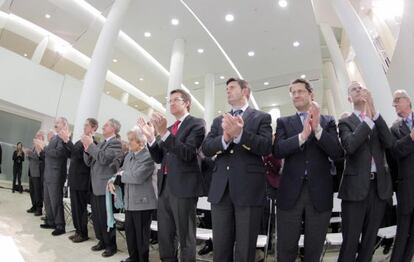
x=183 y=125
x=296 y=123
x=247 y=114
x=404 y=129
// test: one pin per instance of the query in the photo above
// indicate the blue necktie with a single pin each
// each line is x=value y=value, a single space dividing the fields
x=303 y=116
x=409 y=123
x=237 y=112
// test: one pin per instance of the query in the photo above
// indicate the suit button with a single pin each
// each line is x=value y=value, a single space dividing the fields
x=228 y=167
x=231 y=151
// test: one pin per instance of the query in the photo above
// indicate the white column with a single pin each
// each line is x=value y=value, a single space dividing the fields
x=176 y=70
x=330 y=102
x=149 y=112
x=338 y=63
x=209 y=97
x=124 y=98
x=367 y=57
x=339 y=97
x=95 y=76
x=40 y=50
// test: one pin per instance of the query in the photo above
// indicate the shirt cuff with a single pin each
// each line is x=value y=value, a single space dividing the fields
x=151 y=143
x=238 y=138
x=369 y=122
x=165 y=136
x=376 y=116
x=318 y=132
x=301 y=140
x=225 y=145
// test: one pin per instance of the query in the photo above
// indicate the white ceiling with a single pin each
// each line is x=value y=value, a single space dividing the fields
x=261 y=26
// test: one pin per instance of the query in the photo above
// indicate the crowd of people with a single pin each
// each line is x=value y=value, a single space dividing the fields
x=161 y=171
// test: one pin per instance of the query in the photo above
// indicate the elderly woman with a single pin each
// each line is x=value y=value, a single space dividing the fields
x=140 y=198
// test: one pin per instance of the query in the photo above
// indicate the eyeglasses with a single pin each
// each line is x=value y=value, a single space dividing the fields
x=298 y=92
x=175 y=100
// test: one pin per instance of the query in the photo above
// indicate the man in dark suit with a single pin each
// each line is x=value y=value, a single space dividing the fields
x=35 y=181
x=237 y=192
x=403 y=152
x=100 y=159
x=366 y=186
x=179 y=183
x=54 y=178
x=307 y=141
x=79 y=181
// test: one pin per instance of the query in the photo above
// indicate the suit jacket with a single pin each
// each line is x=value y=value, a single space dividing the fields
x=34 y=163
x=240 y=166
x=403 y=153
x=55 y=161
x=79 y=173
x=313 y=157
x=361 y=144
x=179 y=154
x=100 y=158
x=138 y=170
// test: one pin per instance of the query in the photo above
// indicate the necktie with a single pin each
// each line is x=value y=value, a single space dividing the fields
x=174 y=128
x=303 y=116
x=237 y=112
x=409 y=123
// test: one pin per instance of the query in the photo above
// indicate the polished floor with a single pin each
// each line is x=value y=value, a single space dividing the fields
x=21 y=238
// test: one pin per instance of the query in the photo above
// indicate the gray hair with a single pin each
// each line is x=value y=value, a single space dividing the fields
x=139 y=135
x=115 y=124
x=64 y=120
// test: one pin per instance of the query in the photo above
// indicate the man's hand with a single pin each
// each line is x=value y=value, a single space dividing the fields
x=307 y=128
x=159 y=122
x=315 y=112
x=39 y=145
x=147 y=129
x=111 y=187
x=64 y=134
x=86 y=141
x=232 y=125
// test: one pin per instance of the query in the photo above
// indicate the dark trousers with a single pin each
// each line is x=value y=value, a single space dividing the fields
x=137 y=231
x=99 y=223
x=235 y=228
x=176 y=222
x=289 y=226
x=404 y=242
x=361 y=219
x=17 y=175
x=53 y=197
x=36 y=194
x=78 y=203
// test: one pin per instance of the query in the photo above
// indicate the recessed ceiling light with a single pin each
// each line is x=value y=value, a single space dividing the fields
x=200 y=50
x=273 y=104
x=147 y=34
x=221 y=77
x=266 y=83
x=114 y=60
x=107 y=92
x=24 y=54
x=303 y=76
x=219 y=111
x=250 y=53
x=47 y=16
x=175 y=21
x=196 y=82
x=229 y=18
x=141 y=79
x=283 y=3
x=296 y=44
x=136 y=105
x=362 y=8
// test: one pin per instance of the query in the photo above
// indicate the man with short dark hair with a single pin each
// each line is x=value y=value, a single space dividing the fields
x=100 y=159
x=239 y=139
x=306 y=141
x=179 y=180
x=79 y=181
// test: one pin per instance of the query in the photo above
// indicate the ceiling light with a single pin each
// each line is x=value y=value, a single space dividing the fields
x=221 y=77
x=296 y=44
x=229 y=18
x=107 y=92
x=25 y=54
x=266 y=83
x=114 y=60
x=200 y=50
x=136 y=105
x=303 y=76
x=141 y=79
x=219 y=111
x=196 y=82
x=147 y=34
x=175 y=21
x=283 y=3
x=47 y=16
x=250 y=53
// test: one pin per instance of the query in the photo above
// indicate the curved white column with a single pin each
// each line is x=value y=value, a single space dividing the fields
x=124 y=98
x=338 y=93
x=95 y=76
x=209 y=97
x=40 y=50
x=367 y=57
x=330 y=102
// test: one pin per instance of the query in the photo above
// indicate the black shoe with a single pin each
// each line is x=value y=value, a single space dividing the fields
x=79 y=238
x=13 y=191
x=71 y=237
x=153 y=241
x=98 y=247
x=206 y=249
x=43 y=218
x=109 y=252
x=31 y=210
x=128 y=260
x=37 y=213
x=47 y=226
x=58 y=232
x=386 y=249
